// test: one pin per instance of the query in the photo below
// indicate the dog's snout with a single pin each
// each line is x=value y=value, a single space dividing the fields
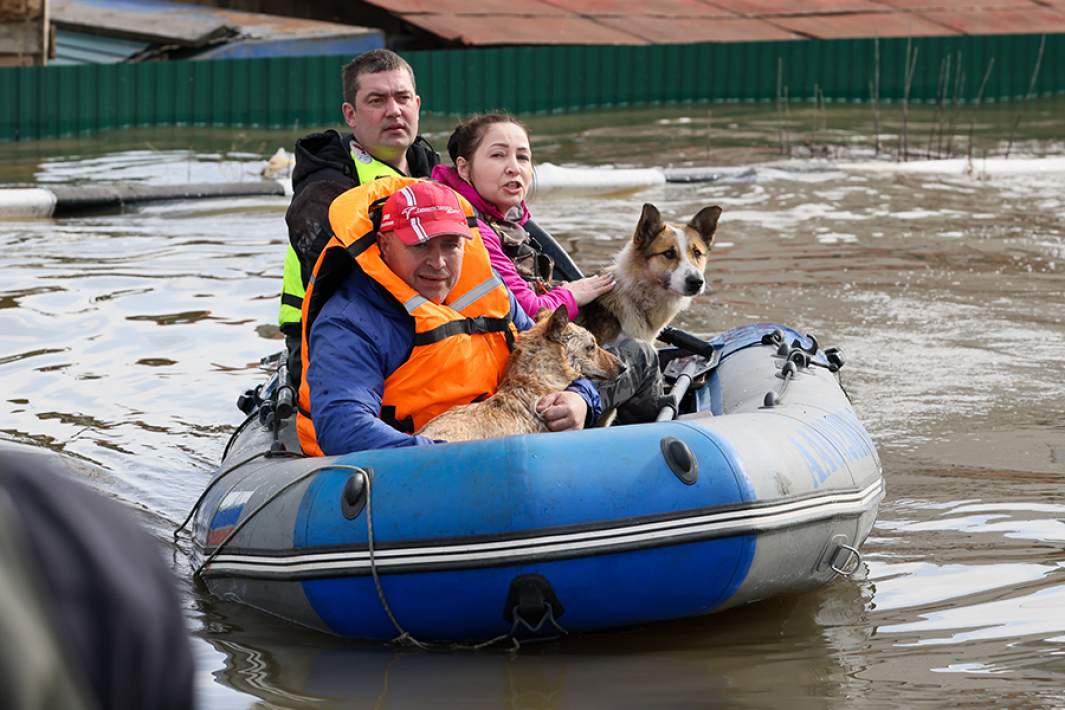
x=607 y=367
x=693 y=284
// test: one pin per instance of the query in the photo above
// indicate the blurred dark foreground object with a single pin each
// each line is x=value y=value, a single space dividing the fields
x=89 y=613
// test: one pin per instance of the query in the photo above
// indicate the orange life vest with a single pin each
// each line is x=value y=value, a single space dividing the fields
x=461 y=347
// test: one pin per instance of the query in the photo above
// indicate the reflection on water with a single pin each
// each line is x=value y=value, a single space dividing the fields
x=705 y=662
x=127 y=337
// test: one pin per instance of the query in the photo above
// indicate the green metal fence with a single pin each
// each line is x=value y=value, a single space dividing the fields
x=43 y=102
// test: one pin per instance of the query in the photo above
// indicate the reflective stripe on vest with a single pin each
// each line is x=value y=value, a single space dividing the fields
x=291 y=290
x=470 y=342
x=367 y=168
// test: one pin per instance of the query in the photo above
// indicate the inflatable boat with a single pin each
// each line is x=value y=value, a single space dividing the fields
x=758 y=481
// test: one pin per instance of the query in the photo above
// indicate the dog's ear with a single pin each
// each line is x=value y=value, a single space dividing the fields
x=557 y=324
x=705 y=222
x=648 y=227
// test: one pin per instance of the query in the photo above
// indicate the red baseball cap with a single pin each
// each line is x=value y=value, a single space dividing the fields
x=424 y=210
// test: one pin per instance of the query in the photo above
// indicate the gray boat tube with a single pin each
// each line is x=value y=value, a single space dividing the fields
x=61 y=200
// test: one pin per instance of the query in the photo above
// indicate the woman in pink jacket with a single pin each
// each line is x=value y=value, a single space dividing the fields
x=493 y=170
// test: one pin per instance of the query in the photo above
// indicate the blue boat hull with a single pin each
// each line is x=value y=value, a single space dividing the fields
x=573 y=531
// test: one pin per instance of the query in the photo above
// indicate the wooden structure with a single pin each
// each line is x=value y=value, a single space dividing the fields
x=24 y=33
x=107 y=31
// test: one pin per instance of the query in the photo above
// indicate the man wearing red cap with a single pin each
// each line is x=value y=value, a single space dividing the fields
x=418 y=325
x=429 y=265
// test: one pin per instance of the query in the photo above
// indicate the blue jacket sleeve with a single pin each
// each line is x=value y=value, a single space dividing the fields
x=346 y=377
x=584 y=387
x=588 y=392
x=521 y=319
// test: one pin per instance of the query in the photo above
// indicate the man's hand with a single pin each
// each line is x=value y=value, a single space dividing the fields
x=562 y=411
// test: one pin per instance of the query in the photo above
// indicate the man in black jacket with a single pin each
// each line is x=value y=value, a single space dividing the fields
x=381 y=107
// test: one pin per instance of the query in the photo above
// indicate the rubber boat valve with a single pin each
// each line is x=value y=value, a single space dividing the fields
x=680 y=459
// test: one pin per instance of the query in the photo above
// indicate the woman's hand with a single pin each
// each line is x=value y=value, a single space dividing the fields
x=590 y=288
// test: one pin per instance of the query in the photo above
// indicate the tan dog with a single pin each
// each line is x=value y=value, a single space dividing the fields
x=655 y=274
x=546 y=358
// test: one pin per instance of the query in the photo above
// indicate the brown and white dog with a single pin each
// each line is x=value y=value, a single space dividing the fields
x=655 y=275
x=545 y=359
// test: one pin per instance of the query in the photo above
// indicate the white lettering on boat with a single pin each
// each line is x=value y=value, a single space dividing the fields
x=830 y=442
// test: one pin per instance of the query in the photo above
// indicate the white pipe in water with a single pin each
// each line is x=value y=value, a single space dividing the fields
x=27 y=202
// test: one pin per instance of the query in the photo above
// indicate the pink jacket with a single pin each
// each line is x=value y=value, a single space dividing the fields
x=530 y=301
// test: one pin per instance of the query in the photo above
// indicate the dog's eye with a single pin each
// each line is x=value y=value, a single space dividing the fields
x=697 y=254
x=670 y=253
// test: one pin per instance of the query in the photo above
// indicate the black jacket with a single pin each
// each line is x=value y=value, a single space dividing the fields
x=323 y=160
x=325 y=156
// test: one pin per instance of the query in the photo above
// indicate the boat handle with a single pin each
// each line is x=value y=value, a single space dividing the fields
x=847 y=569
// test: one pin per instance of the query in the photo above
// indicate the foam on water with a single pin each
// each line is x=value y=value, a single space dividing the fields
x=978 y=168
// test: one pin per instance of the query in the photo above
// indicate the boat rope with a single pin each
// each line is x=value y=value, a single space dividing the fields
x=405 y=637
x=241 y=427
x=217 y=479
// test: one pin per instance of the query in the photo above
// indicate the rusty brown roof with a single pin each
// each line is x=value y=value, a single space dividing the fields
x=502 y=22
x=649 y=8
x=511 y=29
x=668 y=30
x=763 y=8
x=956 y=6
x=1037 y=20
x=864 y=24
x=471 y=8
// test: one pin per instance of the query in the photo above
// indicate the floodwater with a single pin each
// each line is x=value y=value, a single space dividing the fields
x=127 y=337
